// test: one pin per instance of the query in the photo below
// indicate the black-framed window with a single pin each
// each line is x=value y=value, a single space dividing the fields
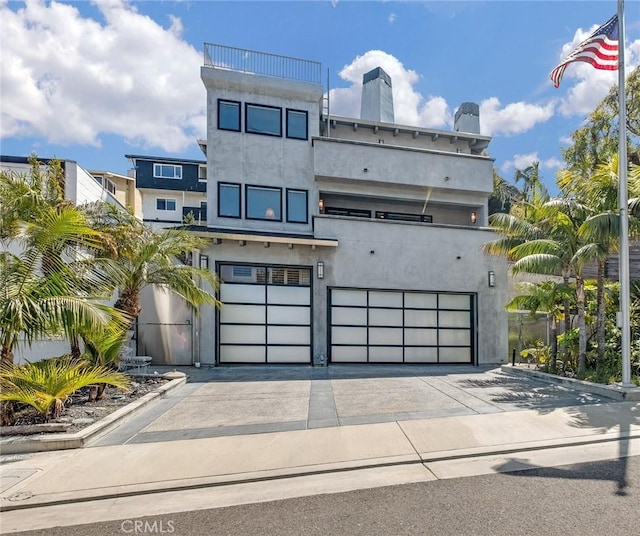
x=229 y=200
x=401 y=216
x=297 y=124
x=353 y=212
x=297 y=206
x=167 y=204
x=167 y=171
x=266 y=120
x=263 y=203
x=228 y=115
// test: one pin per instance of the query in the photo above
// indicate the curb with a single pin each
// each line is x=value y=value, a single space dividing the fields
x=309 y=470
x=615 y=392
x=82 y=438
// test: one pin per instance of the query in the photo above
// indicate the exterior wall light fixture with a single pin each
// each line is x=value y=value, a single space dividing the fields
x=474 y=217
x=492 y=279
x=204 y=262
x=321 y=206
x=242 y=242
x=320 y=270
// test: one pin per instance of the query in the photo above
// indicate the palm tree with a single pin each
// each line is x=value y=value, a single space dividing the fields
x=145 y=257
x=46 y=385
x=547 y=296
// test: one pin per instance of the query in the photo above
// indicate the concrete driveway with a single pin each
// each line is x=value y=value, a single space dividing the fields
x=246 y=400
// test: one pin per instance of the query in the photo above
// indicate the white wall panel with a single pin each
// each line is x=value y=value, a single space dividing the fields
x=242 y=293
x=349 y=354
x=288 y=295
x=349 y=315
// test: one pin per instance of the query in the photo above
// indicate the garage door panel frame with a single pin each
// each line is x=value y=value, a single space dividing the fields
x=472 y=329
x=266 y=304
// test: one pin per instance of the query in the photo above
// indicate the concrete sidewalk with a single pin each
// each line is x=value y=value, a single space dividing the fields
x=52 y=478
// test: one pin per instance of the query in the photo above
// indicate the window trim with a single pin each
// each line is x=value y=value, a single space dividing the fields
x=227 y=101
x=246 y=201
x=306 y=205
x=246 y=119
x=306 y=131
x=164 y=164
x=200 y=167
x=165 y=199
x=239 y=186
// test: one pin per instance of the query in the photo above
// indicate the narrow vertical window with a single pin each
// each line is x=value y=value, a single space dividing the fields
x=228 y=200
x=228 y=115
x=297 y=206
x=297 y=124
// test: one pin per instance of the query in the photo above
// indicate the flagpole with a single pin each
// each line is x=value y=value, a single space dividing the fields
x=625 y=311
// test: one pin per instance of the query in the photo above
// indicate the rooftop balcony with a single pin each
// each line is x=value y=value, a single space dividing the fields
x=261 y=63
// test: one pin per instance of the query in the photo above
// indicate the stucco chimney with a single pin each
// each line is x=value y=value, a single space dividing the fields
x=467 y=118
x=377 y=97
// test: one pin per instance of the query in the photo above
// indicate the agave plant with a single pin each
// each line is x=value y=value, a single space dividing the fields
x=47 y=385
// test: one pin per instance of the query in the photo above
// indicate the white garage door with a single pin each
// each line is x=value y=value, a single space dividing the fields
x=374 y=326
x=266 y=314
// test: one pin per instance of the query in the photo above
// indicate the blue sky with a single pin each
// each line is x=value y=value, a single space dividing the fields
x=93 y=81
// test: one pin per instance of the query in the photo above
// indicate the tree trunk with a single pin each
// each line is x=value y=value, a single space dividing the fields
x=75 y=347
x=7 y=355
x=582 y=332
x=129 y=302
x=7 y=413
x=554 y=344
x=567 y=321
x=600 y=311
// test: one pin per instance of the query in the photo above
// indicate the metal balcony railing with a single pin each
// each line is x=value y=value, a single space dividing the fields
x=261 y=63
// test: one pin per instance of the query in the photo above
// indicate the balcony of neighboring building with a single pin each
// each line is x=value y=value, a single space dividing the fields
x=195 y=215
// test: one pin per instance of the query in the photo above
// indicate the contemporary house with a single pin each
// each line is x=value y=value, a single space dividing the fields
x=173 y=191
x=340 y=240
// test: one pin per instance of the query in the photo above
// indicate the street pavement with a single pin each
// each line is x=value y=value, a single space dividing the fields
x=239 y=427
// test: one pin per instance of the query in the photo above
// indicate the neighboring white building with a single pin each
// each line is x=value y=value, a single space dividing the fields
x=80 y=186
x=337 y=238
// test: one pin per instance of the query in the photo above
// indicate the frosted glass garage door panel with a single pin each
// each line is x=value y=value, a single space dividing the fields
x=348 y=297
x=242 y=354
x=421 y=337
x=288 y=335
x=349 y=316
x=455 y=355
x=385 y=336
x=348 y=354
x=455 y=301
x=454 y=319
x=380 y=354
x=242 y=334
x=420 y=355
x=242 y=293
x=289 y=295
x=385 y=299
x=420 y=301
x=340 y=335
x=242 y=314
x=425 y=319
x=455 y=337
x=289 y=315
x=288 y=354
x=385 y=317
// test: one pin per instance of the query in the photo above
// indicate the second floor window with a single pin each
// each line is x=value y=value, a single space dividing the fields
x=296 y=124
x=228 y=200
x=228 y=115
x=166 y=204
x=167 y=171
x=263 y=203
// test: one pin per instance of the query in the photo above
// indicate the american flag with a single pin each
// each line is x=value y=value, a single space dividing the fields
x=600 y=49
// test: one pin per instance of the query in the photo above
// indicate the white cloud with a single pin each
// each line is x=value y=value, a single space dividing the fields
x=514 y=118
x=590 y=85
x=391 y=18
x=522 y=161
x=73 y=79
x=410 y=107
